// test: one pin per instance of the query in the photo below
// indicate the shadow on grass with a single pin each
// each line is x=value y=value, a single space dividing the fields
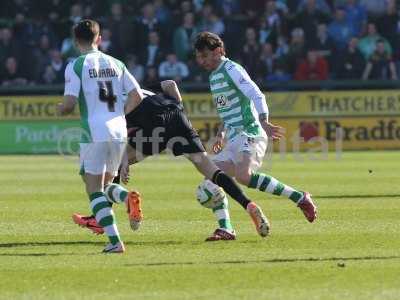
x=90 y=243
x=356 y=196
x=274 y=260
x=38 y=254
x=72 y=243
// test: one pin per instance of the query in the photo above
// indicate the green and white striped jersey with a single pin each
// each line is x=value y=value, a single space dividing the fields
x=99 y=82
x=230 y=87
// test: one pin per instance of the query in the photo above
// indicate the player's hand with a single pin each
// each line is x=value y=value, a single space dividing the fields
x=218 y=145
x=274 y=132
x=124 y=173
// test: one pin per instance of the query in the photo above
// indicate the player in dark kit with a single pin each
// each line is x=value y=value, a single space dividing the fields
x=157 y=123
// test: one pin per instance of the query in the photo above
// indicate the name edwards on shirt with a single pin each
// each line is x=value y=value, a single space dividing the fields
x=102 y=73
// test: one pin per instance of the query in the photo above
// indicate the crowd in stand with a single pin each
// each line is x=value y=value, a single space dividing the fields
x=275 y=40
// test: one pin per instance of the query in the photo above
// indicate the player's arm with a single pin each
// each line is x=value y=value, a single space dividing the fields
x=219 y=139
x=248 y=87
x=71 y=91
x=133 y=90
x=67 y=106
x=170 y=88
x=133 y=100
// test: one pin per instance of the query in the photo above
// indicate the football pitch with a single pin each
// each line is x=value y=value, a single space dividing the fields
x=352 y=251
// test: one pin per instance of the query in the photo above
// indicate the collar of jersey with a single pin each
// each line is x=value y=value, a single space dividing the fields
x=223 y=60
x=92 y=51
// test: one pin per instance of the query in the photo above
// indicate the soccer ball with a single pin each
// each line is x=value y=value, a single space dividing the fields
x=209 y=194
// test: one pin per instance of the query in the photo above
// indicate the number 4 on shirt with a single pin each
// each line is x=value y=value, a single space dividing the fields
x=106 y=94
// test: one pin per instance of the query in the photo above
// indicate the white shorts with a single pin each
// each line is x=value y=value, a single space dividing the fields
x=240 y=144
x=100 y=157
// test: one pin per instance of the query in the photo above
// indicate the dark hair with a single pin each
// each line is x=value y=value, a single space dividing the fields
x=86 y=31
x=208 y=40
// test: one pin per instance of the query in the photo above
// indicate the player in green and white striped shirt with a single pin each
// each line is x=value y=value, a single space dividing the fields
x=244 y=113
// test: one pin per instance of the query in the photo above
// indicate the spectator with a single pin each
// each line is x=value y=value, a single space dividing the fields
x=282 y=47
x=122 y=30
x=368 y=43
x=171 y=68
x=152 y=54
x=21 y=6
x=308 y=19
x=296 y=49
x=274 y=17
x=162 y=12
x=375 y=8
x=20 y=28
x=320 y=5
x=233 y=16
x=267 y=59
x=266 y=32
x=38 y=27
x=210 y=21
x=8 y=45
x=107 y=45
x=340 y=30
x=389 y=25
x=151 y=77
x=12 y=74
x=228 y=8
x=76 y=14
x=281 y=6
x=41 y=56
x=314 y=67
x=146 y=23
x=380 y=65
x=350 y=62
x=250 y=55
x=215 y=24
x=68 y=49
x=184 y=36
x=54 y=72
x=149 y=37
x=179 y=9
x=356 y=15
x=136 y=69
x=279 y=74
x=57 y=15
x=57 y=64
x=324 y=44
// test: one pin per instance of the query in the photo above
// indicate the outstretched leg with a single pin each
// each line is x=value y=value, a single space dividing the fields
x=268 y=184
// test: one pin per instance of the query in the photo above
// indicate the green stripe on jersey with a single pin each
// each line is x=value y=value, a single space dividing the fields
x=86 y=137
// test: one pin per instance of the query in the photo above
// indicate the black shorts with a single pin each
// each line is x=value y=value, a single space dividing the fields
x=173 y=131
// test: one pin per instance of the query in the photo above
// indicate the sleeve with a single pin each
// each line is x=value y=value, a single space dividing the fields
x=72 y=81
x=247 y=86
x=129 y=83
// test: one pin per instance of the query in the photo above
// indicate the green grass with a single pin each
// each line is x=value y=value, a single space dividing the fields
x=351 y=252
